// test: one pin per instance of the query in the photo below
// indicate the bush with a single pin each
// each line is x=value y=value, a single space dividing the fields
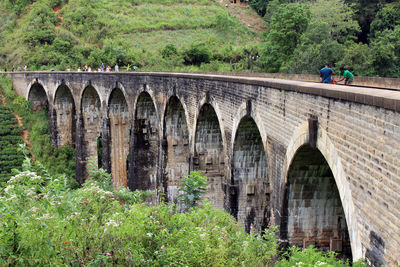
x=196 y=54
x=169 y=50
x=89 y=226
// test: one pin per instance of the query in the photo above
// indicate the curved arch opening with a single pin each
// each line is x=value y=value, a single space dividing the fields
x=119 y=129
x=65 y=116
x=38 y=98
x=251 y=200
x=145 y=145
x=209 y=154
x=176 y=148
x=91 y=117
x=313 y=212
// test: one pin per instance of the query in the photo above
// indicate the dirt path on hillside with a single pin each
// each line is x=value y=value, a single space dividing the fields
x=57 y=11
x=246 y=15
x=25 y=133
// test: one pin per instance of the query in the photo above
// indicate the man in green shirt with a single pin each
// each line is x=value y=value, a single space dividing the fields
x=346 y=75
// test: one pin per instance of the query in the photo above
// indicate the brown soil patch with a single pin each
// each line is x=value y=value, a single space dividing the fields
x=245 y=14
x=25 y=134
x=57 y=11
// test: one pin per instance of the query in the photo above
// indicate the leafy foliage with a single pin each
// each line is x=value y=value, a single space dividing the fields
x=59 y=161
x=88 y=226
x=10 y=133
x=193 y=188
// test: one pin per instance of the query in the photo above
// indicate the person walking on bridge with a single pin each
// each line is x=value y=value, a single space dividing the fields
x=346 y=75
x=325 y=74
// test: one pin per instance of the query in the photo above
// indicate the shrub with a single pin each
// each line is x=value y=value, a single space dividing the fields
x=196 y=54
x=193 y=188
x=169 y=50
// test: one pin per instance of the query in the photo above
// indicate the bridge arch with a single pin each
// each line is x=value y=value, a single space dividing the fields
x=329 y=156
x=144 y=160
x=176 y=149
x=251 y=201
x=119 y=116
x=210 y=152
x=37 y=95
x=65 y=111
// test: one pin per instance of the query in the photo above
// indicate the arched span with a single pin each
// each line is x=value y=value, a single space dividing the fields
x=37 y=96
x=251 y=199
x=65 y=116
x=209 y=156
x=118 y=113
x=144 y=162
x=185 y=108
x=176 y=147
x=217 y=111
x=120 y=87
x=92 y=123
x=328 y=151
x=243 y=111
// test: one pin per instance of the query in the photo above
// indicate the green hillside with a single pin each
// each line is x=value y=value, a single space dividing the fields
x=59 y=34
x=203 y=35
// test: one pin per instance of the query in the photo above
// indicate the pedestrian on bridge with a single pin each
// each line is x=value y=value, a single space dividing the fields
x=325 y=74
x=346 y=75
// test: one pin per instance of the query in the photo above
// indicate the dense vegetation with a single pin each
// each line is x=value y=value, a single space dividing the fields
x=59 y=161
x=59 y=34
x=303 y=35
x=10 y=132
x=201 y=35
x=44 y=222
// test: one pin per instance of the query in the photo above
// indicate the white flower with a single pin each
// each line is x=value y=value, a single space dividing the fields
x=149 y=234
x=112 y=223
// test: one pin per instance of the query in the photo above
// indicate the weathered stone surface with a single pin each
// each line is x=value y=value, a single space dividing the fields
x=119 y=130
x=176 y=138
x=65 y=116
x=358 y=134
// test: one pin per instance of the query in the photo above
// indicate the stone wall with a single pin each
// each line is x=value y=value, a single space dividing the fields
x=356 y=130
x=119 y=130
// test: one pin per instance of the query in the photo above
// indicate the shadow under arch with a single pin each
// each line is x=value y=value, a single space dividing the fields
x=331 y=160
x=251 y=199
x=176 y=150
x=65 y=113
x=209 y=154
x=37 y=96
x=118 y=115
x=144 y=151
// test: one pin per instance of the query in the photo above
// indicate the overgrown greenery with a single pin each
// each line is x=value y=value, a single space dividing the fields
x=59 y=161
x=193 y=188
x=304 y=35
x=59 y=34
x=10 y=132
x=200 y=35
x=44 y=222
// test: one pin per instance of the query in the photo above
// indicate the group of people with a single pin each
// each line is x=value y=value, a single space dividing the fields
x=18 y=69
x=100 y=69
x=326 y=75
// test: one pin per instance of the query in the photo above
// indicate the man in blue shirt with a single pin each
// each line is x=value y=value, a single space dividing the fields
x=325 y=74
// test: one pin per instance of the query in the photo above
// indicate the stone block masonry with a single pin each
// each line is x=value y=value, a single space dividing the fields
x=272 y=149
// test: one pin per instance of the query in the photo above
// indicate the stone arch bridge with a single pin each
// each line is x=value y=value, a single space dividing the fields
x=320 y=161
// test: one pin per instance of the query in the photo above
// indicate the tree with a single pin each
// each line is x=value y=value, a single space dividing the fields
x=287 y=25
x=339 y=16
x=316 y=48
x=386 y=18
x=193 y=188
x=385 y=50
